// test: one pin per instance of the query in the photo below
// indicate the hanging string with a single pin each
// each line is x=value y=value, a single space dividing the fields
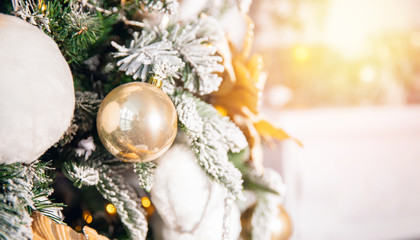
x=226 y=217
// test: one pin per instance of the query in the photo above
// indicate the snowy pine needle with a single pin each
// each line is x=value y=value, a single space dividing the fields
x=108 y=176
x=267 y=208
x=189 y=119
x=145 y=172
x=30 y=11
x=117 y=190
x=193 y=41
x=162 y=6
x=81 y=174
x=212 y=137
x=146 y=50
x=23 y=188
x=167 y=51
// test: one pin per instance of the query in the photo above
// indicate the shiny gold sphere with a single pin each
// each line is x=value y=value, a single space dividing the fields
x=137 y=122
x=282 y=226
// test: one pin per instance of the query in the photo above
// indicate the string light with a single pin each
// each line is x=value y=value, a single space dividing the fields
x=110 y=208
x=42 y=6
x=87 y=216
x=145 y=202
x=221 y=110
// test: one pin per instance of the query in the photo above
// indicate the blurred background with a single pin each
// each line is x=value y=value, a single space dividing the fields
x=344 y=79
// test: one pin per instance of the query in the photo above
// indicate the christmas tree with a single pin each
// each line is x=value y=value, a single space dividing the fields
x=138 y=118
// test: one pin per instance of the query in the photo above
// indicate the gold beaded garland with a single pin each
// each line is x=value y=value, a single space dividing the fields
x=137 y=122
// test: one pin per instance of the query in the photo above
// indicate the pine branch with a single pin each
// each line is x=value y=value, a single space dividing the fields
x=81 y=174
x=146 y=50
x=167 y=51
x=268 y=201
x=24 y=189
x=212 y=136
x=145 y=172
x=74 y=28
x=87 y=105
x=114 y=188
x=264 y=213
x=188 y=116
x=31 y=11
x=161 y=6
x=107 y=174
x=193 y=41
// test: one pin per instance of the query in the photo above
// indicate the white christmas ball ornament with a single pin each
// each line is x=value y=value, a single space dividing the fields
x=36 y=91
x=190 y=206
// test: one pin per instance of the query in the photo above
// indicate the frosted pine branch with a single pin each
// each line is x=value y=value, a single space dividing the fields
x=188 y=116
x=107 y=174
x=145 y=172
x=271 y=182
x=146 y=50
x=193 y=41
x=263 y=214
x=28 y=10
x=212 y=137
x=227 y=132
x=24 y=187
x=114 y=188
x=81 y=174
x=162 y=6
x=165 y=51
x=267 y=208
x=78 y=19
x=87 y=104
x=16 y=194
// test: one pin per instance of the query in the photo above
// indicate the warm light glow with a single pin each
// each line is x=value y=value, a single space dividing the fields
x=145 y=202
x=350 y=23
x=301 y=54
x=367 y=74
x=221 y=110
x=110 y=208
x=78 y=228
x=415 y=39
x=87 y=216
x=43 y=7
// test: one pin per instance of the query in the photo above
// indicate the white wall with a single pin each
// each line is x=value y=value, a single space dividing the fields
x=358 y=175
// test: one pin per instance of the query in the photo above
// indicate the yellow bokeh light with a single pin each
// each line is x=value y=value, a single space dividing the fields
x=110 y=208
x=350 y=24
x=145 y=202
x=415 y=39
x=78 y=228
x=301 y=54
x=87 y=216
x=367 y=74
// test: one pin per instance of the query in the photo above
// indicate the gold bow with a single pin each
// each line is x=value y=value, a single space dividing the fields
x=44 y=228
x=239 y=97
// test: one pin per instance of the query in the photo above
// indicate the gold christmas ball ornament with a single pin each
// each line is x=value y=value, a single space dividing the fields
x=281 y=226
x=137 y=122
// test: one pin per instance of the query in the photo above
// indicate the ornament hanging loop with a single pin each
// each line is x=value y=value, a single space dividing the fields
x=155 y=81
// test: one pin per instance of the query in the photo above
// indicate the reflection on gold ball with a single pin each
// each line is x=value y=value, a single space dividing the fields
x=282 y=226
x=137 y=122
